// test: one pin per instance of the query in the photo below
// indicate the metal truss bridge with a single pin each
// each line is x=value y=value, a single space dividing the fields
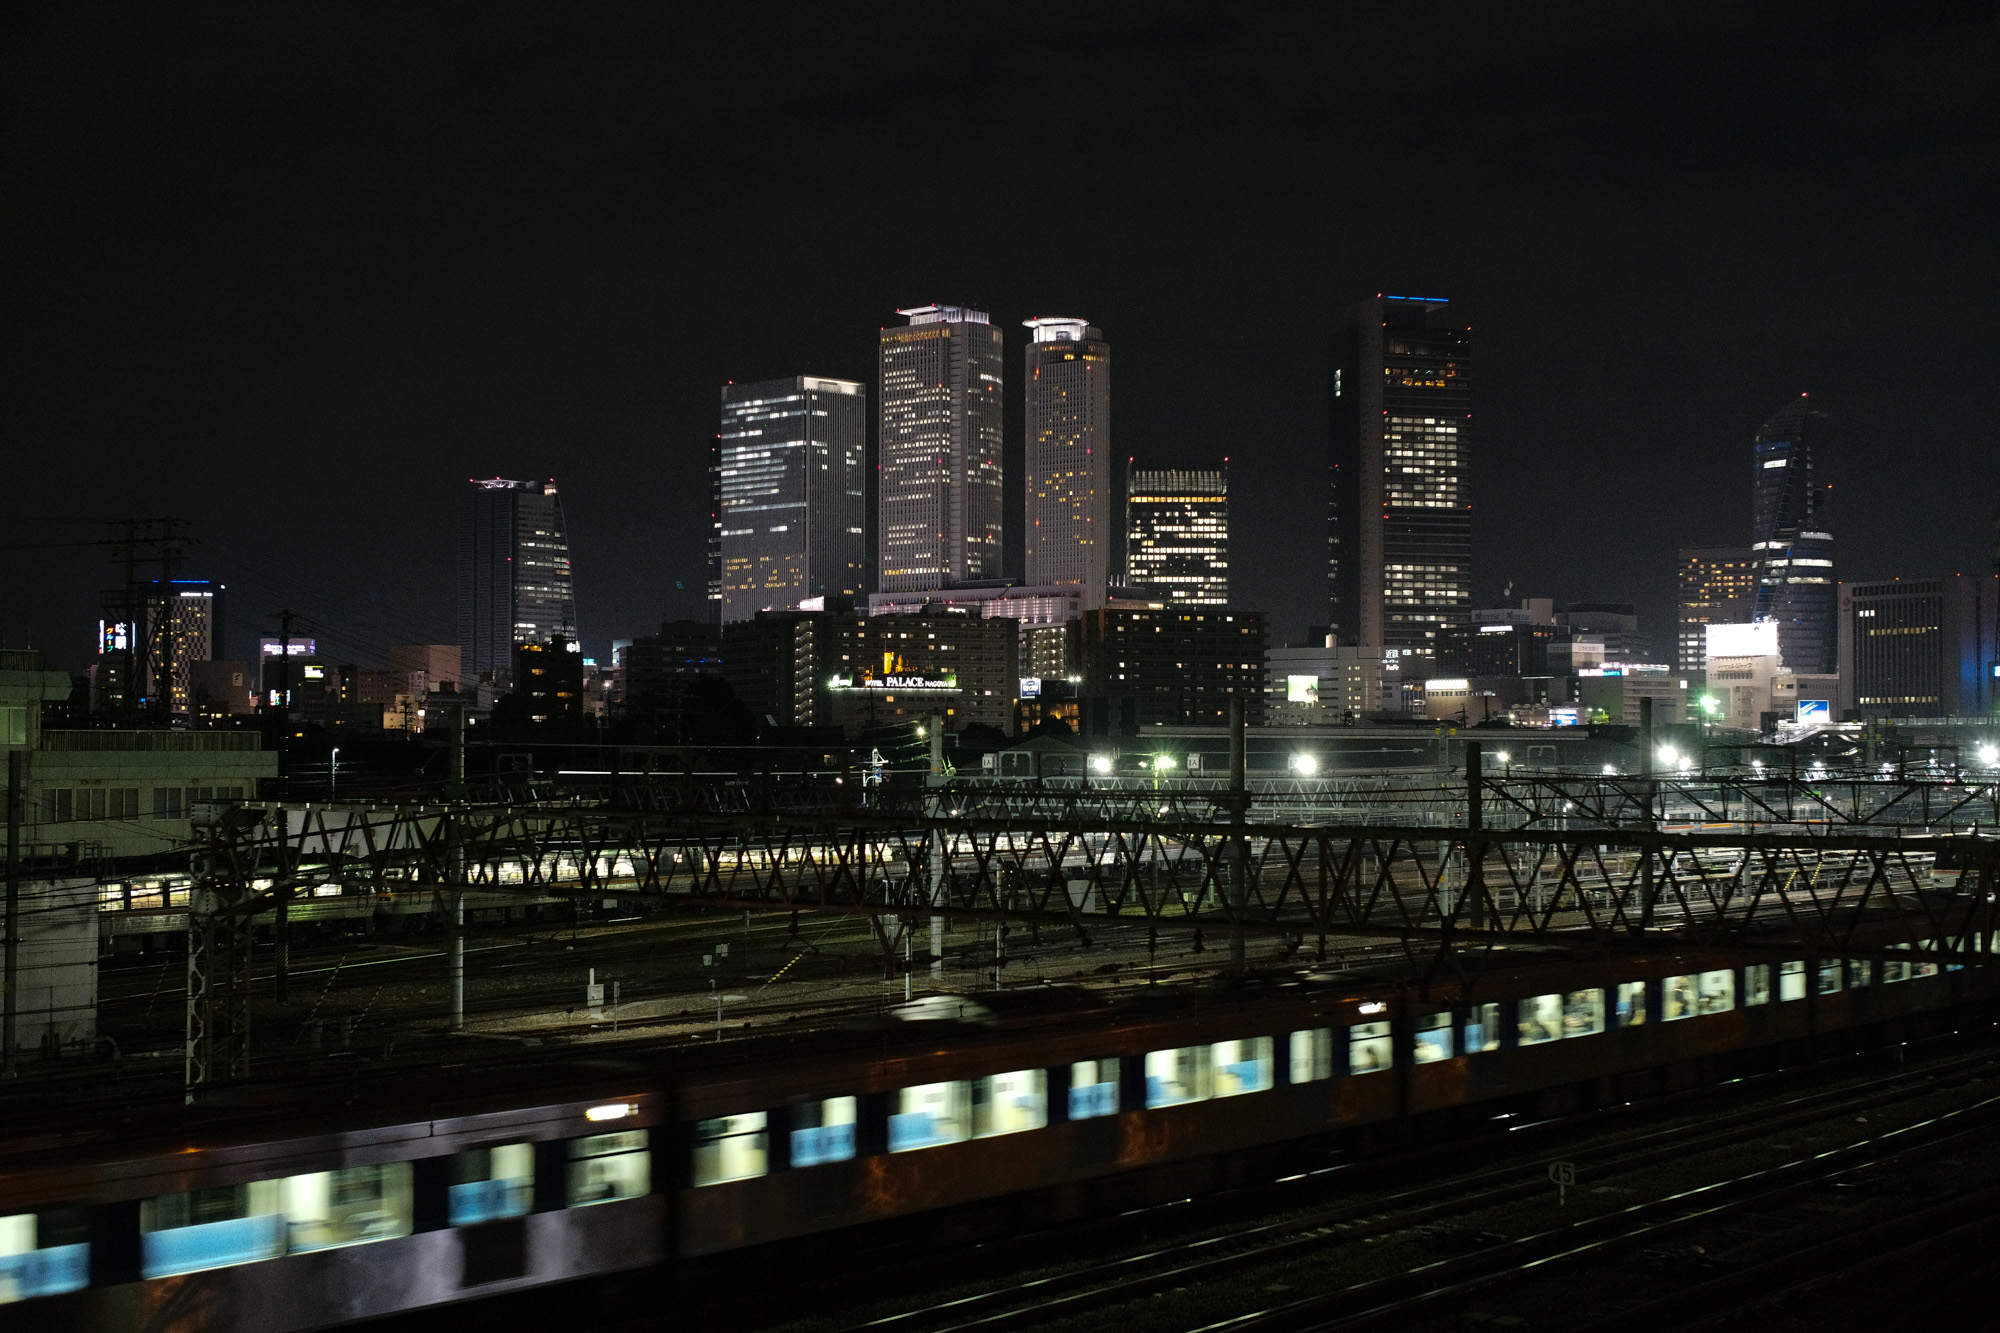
x=1605 y=862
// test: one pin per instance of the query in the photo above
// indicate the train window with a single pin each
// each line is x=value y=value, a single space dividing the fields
x=1860 y=972
x=1757 y=984
x=1583 y=1013
x=1895 y=969
x=1431 y=1040
x=211 y=1228
x=1539 y=1019
x=348 y=1206
x=1482 y=1029
x=823 y=1131
x=1241 y=1066
x=1677 y=998
x=930 y=1114
x=1368 y=1048
x=1631 y=1005
x=606 y=1167
x=1176 y=1076
x=731 y=1147
x=1312 y=1055
x=1715 y=992
x=1010 y=1103
x=1924 y=968
x=1829 y=976
x=1093 y=1089
x=1791 y=981
x=491 y=1182
x=44 y=1254
x=1944 y=945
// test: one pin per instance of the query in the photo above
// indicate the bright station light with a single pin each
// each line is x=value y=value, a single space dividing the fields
x=1670 y=756
x=1100 y=763
x=1305 y=765
x=1989 y=754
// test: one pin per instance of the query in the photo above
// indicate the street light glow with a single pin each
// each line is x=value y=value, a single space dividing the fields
x=1670 y=756
x=1100 y=763
x=1163 y=762
x=1989 y=754
x=1305 y=765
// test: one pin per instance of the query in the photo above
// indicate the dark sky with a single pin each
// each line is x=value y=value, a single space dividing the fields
x=294 y=272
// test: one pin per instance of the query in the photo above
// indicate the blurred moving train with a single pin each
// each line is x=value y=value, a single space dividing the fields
x=275 y=1211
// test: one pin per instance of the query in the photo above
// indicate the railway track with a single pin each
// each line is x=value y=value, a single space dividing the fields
x=1096 y=1288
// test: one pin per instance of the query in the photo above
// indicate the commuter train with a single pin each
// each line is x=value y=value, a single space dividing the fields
x=1016 y=1108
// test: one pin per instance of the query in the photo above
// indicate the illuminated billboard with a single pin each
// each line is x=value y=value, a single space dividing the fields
x=1759 y=638
x=1031 y=687
x=947 y=681
x=1302 y=689
x=1813 y=712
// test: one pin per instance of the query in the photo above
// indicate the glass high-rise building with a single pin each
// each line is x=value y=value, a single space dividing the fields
x=1177 y=535
x=1794 y=550
x=790 y=479
x=1399 y=539
x=939 y=504
x=1069 y=534
x=1717 y=585
x=514 y=583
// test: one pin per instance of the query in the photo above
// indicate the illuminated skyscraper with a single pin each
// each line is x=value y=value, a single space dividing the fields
x=1177 y=535
x=1794 y=550
x=1400 y=533
x=790 y=493
x=1718 y=586
x=1069 y=533
x=514 y=582
x=940 y=503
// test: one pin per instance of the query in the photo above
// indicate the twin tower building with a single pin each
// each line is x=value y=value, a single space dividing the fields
x=792 y=492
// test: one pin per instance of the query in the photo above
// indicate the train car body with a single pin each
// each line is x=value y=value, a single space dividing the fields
x=1010 y=1110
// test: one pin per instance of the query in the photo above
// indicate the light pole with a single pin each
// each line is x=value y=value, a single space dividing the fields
x=333 y=776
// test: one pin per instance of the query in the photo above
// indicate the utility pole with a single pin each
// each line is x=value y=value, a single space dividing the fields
x=17 y=781
x=1475 y=845
x=1647 y=790
x=1239 y=850
x=455 y=861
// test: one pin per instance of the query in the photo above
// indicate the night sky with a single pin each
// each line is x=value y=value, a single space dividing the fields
x=294 y=272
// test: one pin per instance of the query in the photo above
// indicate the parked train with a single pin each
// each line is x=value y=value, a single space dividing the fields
x=1041 y=1104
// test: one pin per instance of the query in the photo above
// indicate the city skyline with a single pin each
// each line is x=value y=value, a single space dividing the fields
x=568 y=306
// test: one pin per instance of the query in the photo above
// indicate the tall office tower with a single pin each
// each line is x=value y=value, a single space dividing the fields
x=1794 y=550
x=792 y=464
x=514 y=582
x=1718 y=586
x=1177 y=535
x=715 y=531
x=1399 y=538
x=1069 y=536
x=940 y=504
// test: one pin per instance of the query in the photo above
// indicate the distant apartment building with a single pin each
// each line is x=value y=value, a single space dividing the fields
x=790 y=504
x=813 y=668
x=1328 y=685
x=939 y=497
x=1716 y=585
x=1068 y=537
x=1929 y=648
x=1170 y=666
x=514 y=578
x=1177 y=535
